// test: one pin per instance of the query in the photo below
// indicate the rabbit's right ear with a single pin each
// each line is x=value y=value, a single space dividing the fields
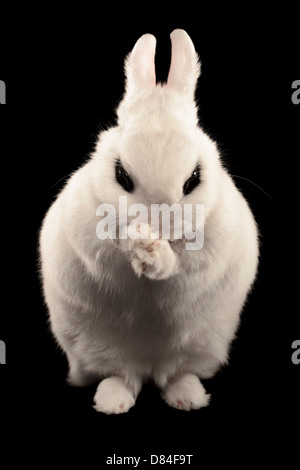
x=185 y=65
x=140 y=66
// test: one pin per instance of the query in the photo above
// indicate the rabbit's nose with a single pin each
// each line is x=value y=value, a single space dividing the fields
x=168 y=198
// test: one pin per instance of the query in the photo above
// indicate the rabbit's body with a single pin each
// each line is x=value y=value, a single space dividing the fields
x=135 y=310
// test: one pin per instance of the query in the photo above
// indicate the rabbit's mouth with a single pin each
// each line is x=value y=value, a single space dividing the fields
x=177 y=224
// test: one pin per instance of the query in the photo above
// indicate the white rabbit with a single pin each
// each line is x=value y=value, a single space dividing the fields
x=134 y=310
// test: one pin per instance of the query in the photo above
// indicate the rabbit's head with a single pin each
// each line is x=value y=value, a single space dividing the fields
x=158 y=153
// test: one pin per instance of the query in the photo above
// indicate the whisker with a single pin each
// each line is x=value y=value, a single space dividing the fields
x=64 y=177
x=246 y=179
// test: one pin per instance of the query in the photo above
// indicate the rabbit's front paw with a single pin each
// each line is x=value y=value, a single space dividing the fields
x=152 y=257
x=112 y=397
x=186 y=393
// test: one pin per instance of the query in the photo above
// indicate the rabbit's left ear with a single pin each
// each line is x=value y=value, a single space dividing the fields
x=185 y=65
x=140 y=65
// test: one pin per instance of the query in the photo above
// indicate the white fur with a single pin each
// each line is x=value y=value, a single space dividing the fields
x=123 y=313
x=186 y=393
x=112 y=397
x=151 y=257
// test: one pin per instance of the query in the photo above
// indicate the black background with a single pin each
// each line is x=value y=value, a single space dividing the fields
x=64 y=78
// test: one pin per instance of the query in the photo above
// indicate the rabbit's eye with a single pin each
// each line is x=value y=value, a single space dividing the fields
x=123 y=177
x=192 y=182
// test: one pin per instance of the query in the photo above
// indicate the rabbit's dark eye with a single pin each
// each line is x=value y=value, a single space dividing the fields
x=192 y=182
x=123 y=177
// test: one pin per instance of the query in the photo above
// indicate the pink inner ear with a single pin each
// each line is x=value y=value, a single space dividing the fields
x=153 y=77
x=145 y=65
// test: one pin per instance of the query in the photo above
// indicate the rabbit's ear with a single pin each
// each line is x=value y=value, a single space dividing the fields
x=185 y=65
x=140 y=65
